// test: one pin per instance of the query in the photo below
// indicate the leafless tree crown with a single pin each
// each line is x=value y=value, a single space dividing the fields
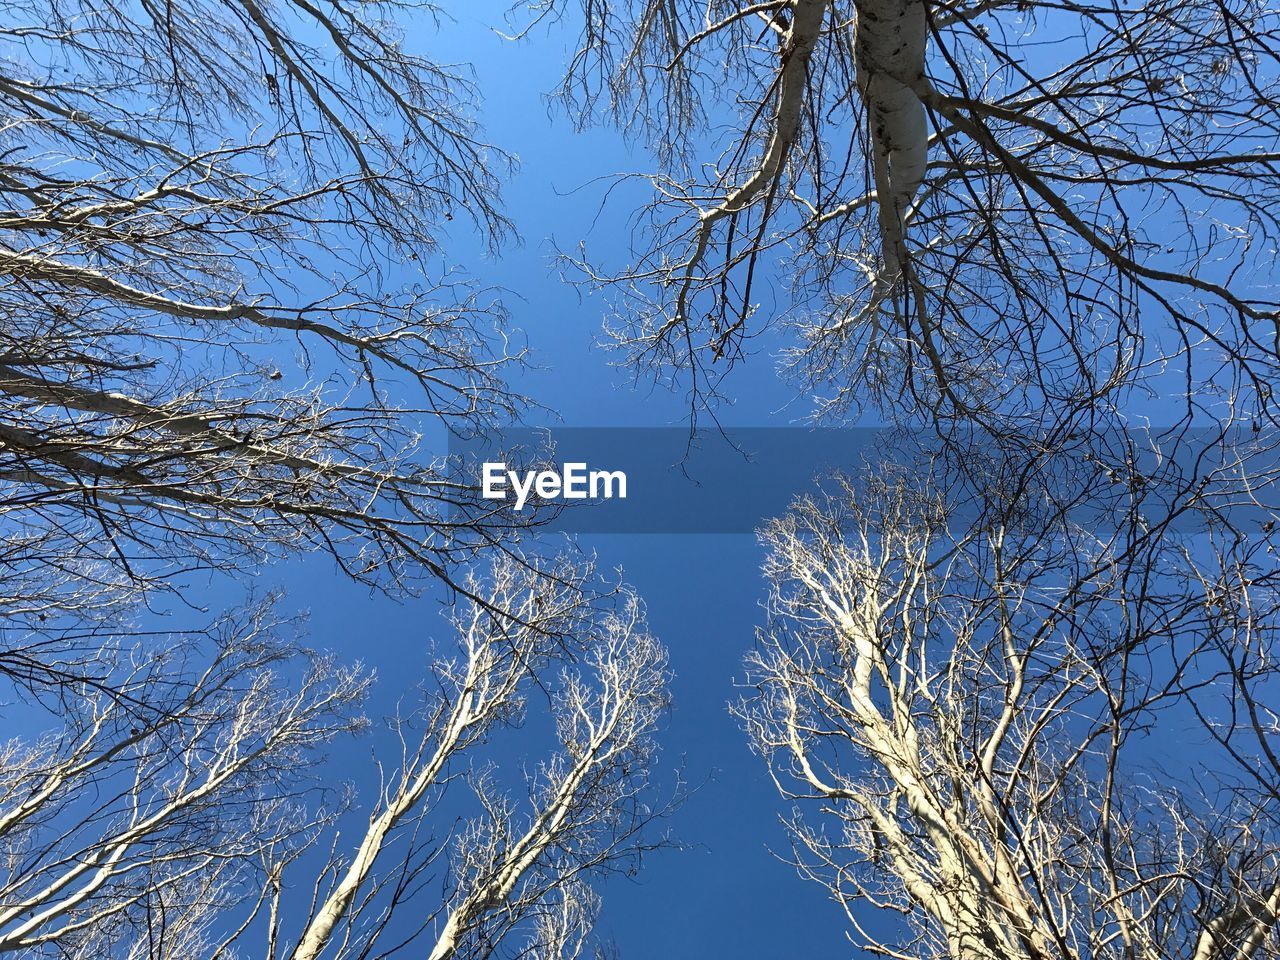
x=220 y=336
x=1023 y=741
x=962 y=208
x=178 y=812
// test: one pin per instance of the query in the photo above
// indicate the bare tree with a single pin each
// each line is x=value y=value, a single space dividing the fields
x=1024 y=740
x=173 y=815
x=220 y=337
x=221 y=342
x=157 y=793
x=1009 y=207
x=513 y=870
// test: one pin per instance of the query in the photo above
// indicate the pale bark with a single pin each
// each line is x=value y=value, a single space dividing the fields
x=958 y=719
x=586 y=802
x=988 y=213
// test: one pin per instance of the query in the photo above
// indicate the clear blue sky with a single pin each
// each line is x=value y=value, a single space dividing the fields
x=726 y=894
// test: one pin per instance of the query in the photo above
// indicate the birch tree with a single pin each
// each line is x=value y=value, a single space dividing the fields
x=970 y=210
x=1023 y=741
x=182 y=815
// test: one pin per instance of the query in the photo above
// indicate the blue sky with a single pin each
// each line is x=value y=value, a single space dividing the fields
x=726 y=894
x=728 y=891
